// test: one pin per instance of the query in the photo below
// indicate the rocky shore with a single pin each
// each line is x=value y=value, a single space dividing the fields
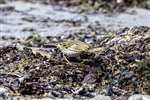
x=119 y=71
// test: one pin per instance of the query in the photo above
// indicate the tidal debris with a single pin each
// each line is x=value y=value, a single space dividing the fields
x=120 y=69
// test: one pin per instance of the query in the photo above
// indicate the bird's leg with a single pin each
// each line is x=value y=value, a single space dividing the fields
x=66 y=59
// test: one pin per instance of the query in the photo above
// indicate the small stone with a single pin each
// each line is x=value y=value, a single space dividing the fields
x=101 y=97
x=57 y=94
x=6 y=8
x=89 y=78
x=3 y=93
x=3 y=90
x=78 y=91
x=76 y=96
x=139 y=97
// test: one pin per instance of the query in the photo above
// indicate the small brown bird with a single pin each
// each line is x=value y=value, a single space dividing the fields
x=73 y=48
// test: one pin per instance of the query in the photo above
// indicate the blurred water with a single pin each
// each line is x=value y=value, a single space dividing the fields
x=27 y=18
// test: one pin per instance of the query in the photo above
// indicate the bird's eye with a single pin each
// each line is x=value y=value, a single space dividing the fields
x=64 y=45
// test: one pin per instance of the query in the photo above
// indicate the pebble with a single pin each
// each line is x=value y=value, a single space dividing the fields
x=57 y=94
x=6 y=8
x=3 y=90
x=101 y=97
x=139 y=97
x=3 y=93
